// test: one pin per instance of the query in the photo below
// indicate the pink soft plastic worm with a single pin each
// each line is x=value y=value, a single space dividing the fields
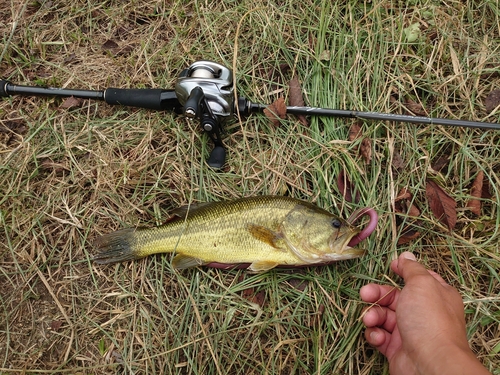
x=370 y=227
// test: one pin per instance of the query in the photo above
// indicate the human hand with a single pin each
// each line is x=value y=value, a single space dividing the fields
x=421 y=328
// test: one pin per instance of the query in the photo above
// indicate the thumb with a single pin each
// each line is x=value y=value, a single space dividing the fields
x=407 y=266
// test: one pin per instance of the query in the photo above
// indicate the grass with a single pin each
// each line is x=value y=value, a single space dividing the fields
x=70 y=175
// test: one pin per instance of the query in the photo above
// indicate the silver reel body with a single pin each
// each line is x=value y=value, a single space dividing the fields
x=215 y=80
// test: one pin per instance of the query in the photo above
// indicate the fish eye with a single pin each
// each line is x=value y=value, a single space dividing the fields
x=336 y=223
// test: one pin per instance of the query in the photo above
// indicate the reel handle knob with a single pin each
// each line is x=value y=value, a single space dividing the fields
x=193 y=103
x=217 y=157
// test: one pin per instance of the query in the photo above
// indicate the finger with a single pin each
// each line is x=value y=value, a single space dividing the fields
x=383 y=295
x=382 y=317
x=407 y=266
x=378 y=338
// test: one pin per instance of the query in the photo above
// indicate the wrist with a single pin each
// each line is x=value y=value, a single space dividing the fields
x=456 y=360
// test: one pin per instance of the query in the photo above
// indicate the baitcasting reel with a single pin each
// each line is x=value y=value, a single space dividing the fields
x=205 y=90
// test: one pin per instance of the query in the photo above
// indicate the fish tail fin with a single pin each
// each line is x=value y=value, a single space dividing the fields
x=115 y=247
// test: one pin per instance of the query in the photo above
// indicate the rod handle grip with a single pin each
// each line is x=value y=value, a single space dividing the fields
x=3 y=88
x=140 y=98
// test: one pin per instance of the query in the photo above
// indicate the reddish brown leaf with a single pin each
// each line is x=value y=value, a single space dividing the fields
x=251 y=295
x=110 y=45
x=55 y=325
x=409 y=234
x=440 y=163
x=415 y=108
x=404 y=204
x=441 y=204
x=492 y=101
x=71 y=102
x=276 y=111
x=259 y=298
x=296 y=99
x=413 y=210
x=404 y=193
x=355 y=131
x=397 y=161
x=486 y=193
x=298 y=284
x=365 y=148
x=347 y=188
x=476 y=191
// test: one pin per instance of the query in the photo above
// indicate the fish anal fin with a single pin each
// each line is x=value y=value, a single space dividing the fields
x=266 y=235
x=262 y=266
x=182 y=262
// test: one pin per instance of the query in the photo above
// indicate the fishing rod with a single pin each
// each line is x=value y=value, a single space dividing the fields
x=205 y=91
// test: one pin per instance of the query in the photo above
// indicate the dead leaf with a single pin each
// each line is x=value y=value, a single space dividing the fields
x=296 y=99
x=347 y=188
x=365 y=148
x=413 y=210
x=298 y=284
x=71 y=102
x=55 y=325
x=258 y=297
x=355 y=131
x=17 y=127
x=492 y=100
x=404 y=205
x=404 y=193
x=397 y=161
x=476 y=191
x=441 y=204
x=408 y=234
x=486 y=192
x=276 y=111
x=440 y=163
x=110 y=45
x=415 y=108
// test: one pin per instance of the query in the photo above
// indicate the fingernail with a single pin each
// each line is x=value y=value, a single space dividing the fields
x=408 y=255
x=374 y=335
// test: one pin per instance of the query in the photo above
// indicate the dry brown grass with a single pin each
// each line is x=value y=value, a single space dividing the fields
x=70 y=175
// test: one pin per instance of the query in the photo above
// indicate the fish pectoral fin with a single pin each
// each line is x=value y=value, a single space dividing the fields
x=268 y=236
x=182 y=262
x=262 y=265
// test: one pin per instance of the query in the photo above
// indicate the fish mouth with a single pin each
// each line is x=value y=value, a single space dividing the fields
x=341 y=246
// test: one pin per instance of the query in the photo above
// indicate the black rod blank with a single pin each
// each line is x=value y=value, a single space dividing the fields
x=310 y=111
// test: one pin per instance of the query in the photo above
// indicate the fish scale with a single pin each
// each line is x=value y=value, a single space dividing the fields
x=263 y=231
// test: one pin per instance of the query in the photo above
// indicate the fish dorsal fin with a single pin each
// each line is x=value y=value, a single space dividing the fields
x=262 y=265
x=183 y=211
x=182 y=262
x=274 y=239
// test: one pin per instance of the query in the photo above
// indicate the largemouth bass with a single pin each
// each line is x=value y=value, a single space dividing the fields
x=263 y=231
